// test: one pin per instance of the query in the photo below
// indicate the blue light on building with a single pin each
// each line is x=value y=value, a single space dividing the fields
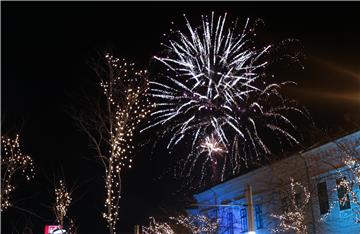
x=316 y=169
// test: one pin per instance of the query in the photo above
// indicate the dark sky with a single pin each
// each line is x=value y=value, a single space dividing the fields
x=45 y=52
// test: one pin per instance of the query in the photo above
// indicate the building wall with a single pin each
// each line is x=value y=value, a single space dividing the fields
x=227 y=202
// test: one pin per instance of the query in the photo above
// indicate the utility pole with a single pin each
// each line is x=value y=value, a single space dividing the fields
x=136 y=229
x=250 y=210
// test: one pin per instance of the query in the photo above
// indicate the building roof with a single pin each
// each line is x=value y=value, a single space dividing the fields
x=314 y=153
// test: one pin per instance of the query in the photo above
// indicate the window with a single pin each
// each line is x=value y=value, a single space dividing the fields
x=344 y=200
x=323 y=198
x=230 y=223
x=243 y=220
x=258 y=216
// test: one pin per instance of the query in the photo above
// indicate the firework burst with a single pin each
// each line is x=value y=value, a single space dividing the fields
x=215 y=87
x=211 y=145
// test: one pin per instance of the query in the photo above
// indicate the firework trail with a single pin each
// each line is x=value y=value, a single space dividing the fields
x=215 y=90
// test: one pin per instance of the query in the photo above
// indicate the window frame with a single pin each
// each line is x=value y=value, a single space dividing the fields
x=324 y=206
x=230 y=225
x=341 y=193
x=243 y=220
x=258 y=216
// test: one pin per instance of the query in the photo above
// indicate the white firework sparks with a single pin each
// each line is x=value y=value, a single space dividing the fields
x=215 y=85
x=211 y=145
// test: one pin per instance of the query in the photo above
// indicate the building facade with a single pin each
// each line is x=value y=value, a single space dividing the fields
x=317 y=174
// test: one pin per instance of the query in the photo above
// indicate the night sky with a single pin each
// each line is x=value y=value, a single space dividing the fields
x=46 y=49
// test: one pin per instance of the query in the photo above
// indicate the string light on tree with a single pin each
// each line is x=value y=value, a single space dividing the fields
x=197 y=224
x=13 y=163
x=348 y=179
x=63 y=200
x=194 y=224
x=127 y=106
x=112 y=126
x=157 y=227
x=348 y=183
x=293 y=217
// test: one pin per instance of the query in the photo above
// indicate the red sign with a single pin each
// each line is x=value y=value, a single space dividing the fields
x=49 y=229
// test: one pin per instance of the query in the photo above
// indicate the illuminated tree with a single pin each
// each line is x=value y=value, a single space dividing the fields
x=111 y=124
x=292 y=218
x=157 y=227
x=63 y=200
x=348 y=183
x=194 y=224
x=197 y=224
x=348 y=180
x=61 y=207
x=13 y=164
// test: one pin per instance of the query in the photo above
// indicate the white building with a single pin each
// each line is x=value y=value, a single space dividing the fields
x=318 y=169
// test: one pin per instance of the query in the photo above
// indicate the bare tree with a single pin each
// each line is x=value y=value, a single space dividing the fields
x=112 y=122
x=13 y=164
